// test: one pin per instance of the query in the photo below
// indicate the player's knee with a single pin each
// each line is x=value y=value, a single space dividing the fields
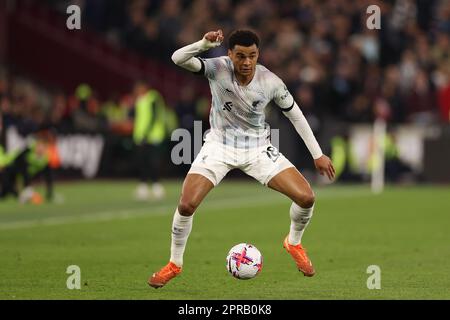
x=187 y=208
x=306 y=200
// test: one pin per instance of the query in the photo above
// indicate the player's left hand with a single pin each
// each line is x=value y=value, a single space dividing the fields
x=325 y=167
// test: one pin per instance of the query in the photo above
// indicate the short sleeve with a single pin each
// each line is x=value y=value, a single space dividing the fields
x=281 y=95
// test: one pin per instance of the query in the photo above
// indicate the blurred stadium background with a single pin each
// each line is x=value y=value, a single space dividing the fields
x=77 y=91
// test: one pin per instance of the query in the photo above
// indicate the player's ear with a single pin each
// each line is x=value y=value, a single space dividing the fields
x=230 y=53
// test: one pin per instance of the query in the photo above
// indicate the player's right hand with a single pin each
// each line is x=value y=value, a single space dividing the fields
x=213 y=39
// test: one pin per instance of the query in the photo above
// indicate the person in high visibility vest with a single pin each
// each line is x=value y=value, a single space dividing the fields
x=39 y=158
x=153 y=122
x=344 y=159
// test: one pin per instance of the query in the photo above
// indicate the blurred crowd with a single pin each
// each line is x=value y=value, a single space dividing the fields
x=333 y=64
x=30 y=108
x=322 y=49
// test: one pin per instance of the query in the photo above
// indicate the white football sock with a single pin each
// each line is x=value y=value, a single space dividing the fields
x=300 y=218
x=181 y=228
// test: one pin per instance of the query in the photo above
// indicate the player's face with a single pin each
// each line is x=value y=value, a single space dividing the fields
x=244 y=59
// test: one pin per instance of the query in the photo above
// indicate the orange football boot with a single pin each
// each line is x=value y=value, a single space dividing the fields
x=36 y=199
x=301 y=259
x=167 y=273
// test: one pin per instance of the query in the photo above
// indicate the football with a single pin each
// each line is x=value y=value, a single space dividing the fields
x=244 y=261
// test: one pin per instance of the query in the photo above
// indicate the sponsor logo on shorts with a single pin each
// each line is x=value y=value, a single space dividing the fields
x=272 y=153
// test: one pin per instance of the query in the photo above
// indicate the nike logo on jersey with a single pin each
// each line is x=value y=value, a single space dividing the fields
x=228 y=90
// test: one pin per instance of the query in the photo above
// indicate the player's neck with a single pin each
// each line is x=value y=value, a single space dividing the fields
x=244 y=80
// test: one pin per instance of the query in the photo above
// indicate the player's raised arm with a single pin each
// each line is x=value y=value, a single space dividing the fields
x=185 y=57
x=291 y=110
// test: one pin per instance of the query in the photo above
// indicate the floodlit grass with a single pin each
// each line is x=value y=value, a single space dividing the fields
x=118 y=242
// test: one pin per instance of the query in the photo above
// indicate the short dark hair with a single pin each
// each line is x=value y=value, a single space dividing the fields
x=244 y=38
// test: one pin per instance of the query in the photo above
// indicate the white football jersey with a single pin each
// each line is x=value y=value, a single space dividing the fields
x=237 y=115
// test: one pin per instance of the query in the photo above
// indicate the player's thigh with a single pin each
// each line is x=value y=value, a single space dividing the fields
x=293 y=184
x=194 y=190
x=212 y=162
x=205 y=173
x=265 y=163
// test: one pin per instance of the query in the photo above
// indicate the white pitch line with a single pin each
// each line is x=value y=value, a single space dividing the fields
x=126 y=214
x=138 y=212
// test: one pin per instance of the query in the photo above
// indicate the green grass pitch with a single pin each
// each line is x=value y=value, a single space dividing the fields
x=118 y=242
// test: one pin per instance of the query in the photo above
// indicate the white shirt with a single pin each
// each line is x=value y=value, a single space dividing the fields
x=237 y=115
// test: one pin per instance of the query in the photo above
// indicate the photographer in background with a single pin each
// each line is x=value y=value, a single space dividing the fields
x=39 y=158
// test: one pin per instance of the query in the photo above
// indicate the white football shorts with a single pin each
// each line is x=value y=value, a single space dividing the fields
x=216 y=159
